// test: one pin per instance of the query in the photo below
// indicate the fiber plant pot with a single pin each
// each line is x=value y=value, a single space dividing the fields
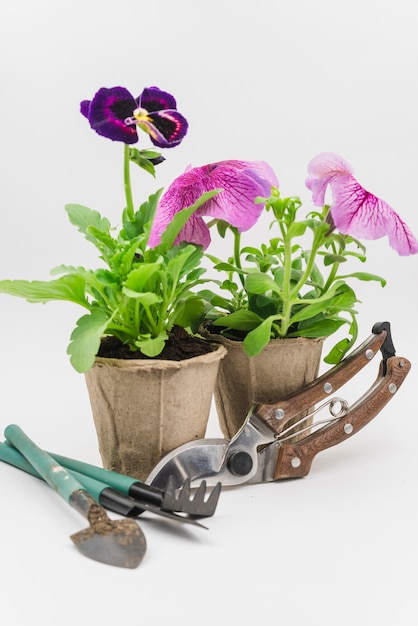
x=144 y=408
x=283 y=367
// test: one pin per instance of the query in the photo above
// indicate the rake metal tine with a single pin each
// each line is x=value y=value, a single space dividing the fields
x=206 y=508
x=184 y=497
x=196 y=506
x=170 y=501
x=180 y=502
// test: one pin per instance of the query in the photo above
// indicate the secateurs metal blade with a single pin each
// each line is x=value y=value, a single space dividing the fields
x=280 y=440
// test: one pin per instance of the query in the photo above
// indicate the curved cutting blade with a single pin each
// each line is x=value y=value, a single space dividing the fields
x=216 y=460
x=194 y=461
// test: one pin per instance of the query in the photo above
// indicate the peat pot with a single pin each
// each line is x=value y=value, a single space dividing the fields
x=144 y=408
x=283 y=367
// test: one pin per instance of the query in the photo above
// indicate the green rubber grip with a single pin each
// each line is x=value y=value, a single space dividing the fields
x=110 y=478
x=57 y=476
x=10 y=455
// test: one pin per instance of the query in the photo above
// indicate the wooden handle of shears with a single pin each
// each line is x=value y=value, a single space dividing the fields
x=321 y=387
x=294 y=460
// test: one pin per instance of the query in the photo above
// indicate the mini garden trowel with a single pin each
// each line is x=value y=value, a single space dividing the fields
x=115 y=542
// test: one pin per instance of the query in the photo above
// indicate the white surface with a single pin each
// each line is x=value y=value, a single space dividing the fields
x=280 y=81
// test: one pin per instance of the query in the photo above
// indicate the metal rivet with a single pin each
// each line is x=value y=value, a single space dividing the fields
x=327 y=387
x=392 y=388
x=369 y=354
x=401 y=363
x=296 y=461
x=279 y=414
x=348 y=428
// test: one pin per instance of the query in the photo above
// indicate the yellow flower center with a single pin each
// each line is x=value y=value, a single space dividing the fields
x=141 y=115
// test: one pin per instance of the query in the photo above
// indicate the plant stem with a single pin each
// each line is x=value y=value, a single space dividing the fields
x=289 y=294
x=287 y=301
x=333 y=272
x=237 y=258
x=127 y=182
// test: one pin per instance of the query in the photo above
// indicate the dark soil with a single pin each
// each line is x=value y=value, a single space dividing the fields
x=179 y=346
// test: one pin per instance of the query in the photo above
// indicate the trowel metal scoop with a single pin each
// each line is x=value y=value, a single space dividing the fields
x=115 y=542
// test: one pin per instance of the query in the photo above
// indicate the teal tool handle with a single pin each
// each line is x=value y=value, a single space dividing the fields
x=51 y=471
x=111 y=479
x=10 y=455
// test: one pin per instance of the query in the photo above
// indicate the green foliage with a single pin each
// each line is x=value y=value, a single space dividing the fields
x=290 y=286
x=140 y=293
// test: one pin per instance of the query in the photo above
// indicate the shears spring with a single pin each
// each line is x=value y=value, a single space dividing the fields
x=338 y=408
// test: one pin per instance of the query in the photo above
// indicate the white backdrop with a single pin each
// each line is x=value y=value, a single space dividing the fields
x=278 y=81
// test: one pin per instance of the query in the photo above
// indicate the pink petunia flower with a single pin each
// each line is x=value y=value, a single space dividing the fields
x=240 y=181
x=354 y=210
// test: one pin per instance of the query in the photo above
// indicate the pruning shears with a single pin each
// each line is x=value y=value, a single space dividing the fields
x=274 y=442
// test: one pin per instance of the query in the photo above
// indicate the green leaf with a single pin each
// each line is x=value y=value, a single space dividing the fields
x=229 y=285
x=343 y=300
x=85 y=340
x=214 y=259
x=69 y=287
x=149 y=153
x=319 y=227
x=258 y=338
x=138 y=157
x=226 y=267
x=264 y=306
x=297 y=229
x=152 y=346
x=222 y=227
x=122 y=262
x=330 y=259
x=192 y=276
x=85 y=219
x=139 y=276
x=179 y=220
x=336 y=353
x=239 y=320
x=147 y=298
x=322 y=328
x=279 y=276
x=366 y=277
x=179 y=263
x=106 y=277
x=103 y=241
x=260 y=283
x=143 y=218
x=189 y=313
x=251 y=250
x=316 y=276
x=308 y=311
x=216 y=300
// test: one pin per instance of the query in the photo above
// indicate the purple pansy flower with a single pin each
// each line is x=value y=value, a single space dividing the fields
x=240 y=181
x=114 y=113
x=354 y=210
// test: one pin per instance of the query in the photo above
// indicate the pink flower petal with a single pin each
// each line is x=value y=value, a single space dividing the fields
x=241 y=182
x=359 y=213
x=195 y=231
x=354 y=210
x=322 y=169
